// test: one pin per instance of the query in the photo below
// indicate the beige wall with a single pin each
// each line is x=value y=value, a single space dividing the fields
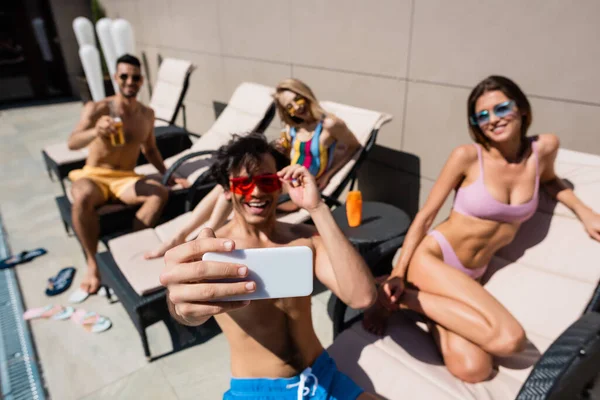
x=416 y=60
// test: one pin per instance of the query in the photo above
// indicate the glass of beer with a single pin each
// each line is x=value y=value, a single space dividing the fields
x=117 y=139
x=282 y=143
x=354 y=208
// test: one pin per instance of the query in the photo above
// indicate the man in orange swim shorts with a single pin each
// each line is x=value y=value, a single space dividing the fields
x=114 y=130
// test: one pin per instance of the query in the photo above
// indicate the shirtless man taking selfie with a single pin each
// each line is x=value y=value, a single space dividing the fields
x=275 y=353
x=113 y=152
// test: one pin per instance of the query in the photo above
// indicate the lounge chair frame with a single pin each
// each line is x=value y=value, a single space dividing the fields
x=146 y=310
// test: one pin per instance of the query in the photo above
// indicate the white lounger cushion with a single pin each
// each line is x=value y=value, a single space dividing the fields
x=128 y=252
x=61 y=154
x=168 y=87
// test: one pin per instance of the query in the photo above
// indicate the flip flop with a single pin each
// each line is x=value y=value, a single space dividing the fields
x=22 y=257
x=79 y=295
x=50 y=311
x=61 y=282
x=66 y=313
x=91 y=321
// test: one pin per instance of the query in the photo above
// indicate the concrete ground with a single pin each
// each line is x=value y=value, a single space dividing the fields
x=76 y=364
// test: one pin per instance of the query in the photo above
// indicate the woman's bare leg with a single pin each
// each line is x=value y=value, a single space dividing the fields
x=204 y=208
x=465 y=360
x=220 y=212
x=461 y=305
x=199 y=216
x=375 y=318
x=288 y=206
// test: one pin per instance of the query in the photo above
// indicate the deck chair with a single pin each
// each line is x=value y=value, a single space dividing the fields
x=250 y=109
x=135 y=280
x=167 y=99
x=547 y=278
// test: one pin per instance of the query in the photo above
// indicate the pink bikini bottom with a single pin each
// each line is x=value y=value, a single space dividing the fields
x=451 y=259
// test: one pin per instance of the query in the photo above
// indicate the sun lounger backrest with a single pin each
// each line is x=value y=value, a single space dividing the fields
x=581 y=170
x=361 y=122
x=168 y=88
x=246 y=109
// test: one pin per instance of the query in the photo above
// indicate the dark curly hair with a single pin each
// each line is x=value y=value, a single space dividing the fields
x=243 y=152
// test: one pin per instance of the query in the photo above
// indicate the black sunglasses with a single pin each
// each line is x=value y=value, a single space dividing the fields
x=135 y=78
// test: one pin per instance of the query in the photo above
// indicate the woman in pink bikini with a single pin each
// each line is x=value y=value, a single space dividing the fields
x=497 y=183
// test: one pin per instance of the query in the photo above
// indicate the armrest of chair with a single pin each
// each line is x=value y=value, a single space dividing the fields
x=172 y=130
x=179 y=162
x=184 y=115
x=568 y=368
x=162 y=119
x=200 y=188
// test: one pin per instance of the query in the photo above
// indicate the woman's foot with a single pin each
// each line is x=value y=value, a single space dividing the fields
x=91 y=283
x=388 y=297
x=163 y=248
x=288 y=206
x=375 y=319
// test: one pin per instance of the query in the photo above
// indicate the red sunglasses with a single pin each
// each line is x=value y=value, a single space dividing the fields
x=245 y=185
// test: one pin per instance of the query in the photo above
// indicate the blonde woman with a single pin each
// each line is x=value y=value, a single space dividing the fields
x=311 y=137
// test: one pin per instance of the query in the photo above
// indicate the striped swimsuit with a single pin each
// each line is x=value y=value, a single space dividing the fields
x=312 y=154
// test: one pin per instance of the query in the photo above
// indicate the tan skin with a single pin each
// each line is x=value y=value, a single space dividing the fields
x=214 y=209
x=469 y=325
x=94 y=131
x=275 y=337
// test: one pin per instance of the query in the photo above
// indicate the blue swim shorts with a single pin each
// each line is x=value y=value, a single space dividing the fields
x=322 y=381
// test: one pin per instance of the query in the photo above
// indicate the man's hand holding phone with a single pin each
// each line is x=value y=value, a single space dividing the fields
x=190 y=281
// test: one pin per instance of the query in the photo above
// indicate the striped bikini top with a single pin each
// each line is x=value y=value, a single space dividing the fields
x=311 y=153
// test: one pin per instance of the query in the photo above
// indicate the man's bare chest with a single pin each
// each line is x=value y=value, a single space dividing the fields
x=136 y=129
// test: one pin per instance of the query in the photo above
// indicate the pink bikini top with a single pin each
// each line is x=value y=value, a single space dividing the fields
x=474 y=200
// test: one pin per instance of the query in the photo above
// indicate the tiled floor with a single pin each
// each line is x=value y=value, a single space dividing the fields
x=77 y=364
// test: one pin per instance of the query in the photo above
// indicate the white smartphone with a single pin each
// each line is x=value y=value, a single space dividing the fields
x=279 y=272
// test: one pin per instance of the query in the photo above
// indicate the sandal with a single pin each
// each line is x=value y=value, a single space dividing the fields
x=22 y=257
x=58 y=313
x=61 y=282
x=79 y=295
x=91 y=321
